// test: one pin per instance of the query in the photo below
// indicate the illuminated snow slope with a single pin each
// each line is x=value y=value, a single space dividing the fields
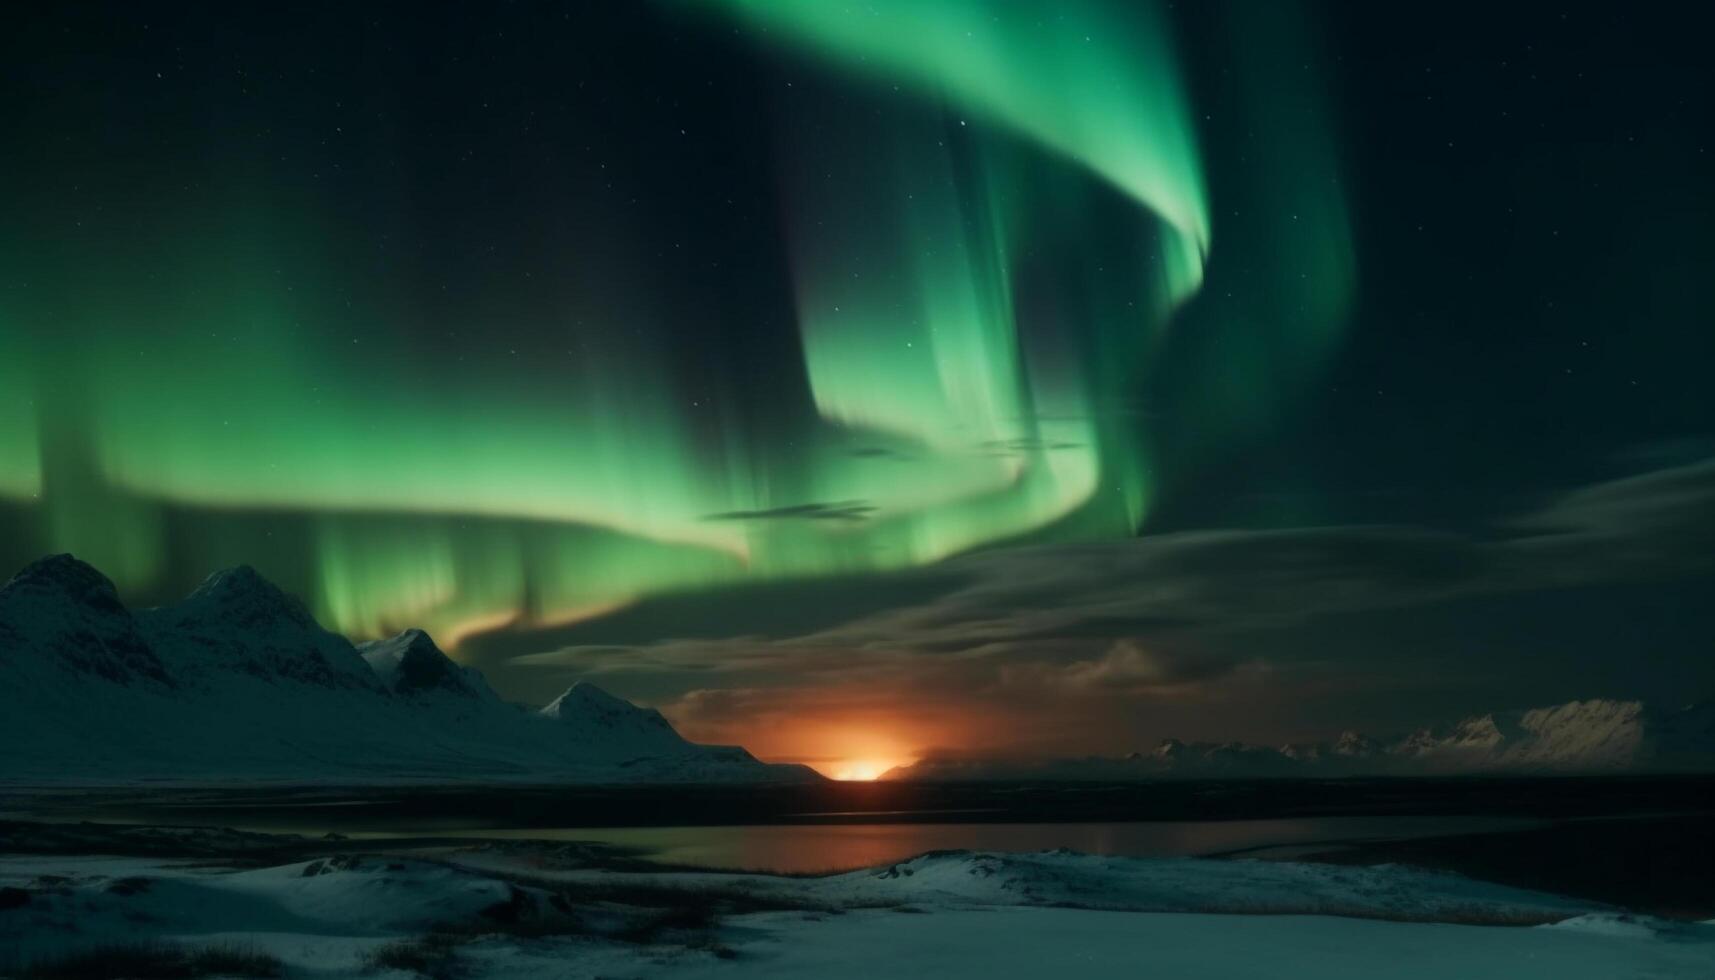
x=971 y=914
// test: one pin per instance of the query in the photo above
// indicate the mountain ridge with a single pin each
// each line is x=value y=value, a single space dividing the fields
x=410 y=664
x=1592 y=736
x=237 y=682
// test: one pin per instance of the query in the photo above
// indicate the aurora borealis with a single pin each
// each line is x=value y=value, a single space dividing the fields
x=538 y=327
x=231 y=358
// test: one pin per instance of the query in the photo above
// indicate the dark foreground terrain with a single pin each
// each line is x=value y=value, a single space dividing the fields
x=1661 y=865
x=473 y=806
x=1643 y=843
x=1579 y=879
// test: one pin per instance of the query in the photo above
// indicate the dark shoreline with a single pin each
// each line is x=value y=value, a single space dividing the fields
x=1646 y=844
x=1656 y=865
x=523 y=807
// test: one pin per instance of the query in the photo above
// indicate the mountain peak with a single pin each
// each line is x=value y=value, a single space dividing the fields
x=585 y=693
x=586 y=715
x=67 y=613
x=1169 y=748
x=67 y=576
x=1354 y=744
x=410 y=663
x=237 y=622
x=242 y=592
x=584 y=702
x=411 y=643
x=239 y=580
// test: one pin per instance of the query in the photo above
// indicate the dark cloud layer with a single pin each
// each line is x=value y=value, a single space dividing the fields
x=844 y=510
x=1189 y=616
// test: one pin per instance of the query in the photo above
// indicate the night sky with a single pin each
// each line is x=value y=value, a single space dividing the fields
x=876 y=380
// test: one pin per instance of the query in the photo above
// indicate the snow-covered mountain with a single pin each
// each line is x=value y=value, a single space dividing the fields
x=237 y=682
x=1579 y=736
x=1596 y=736
x=411 y=666
x=68 y=617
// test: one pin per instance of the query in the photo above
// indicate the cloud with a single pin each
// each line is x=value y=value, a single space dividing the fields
x=1168 y=617
x=1027 y=444
x=1128 y=667
x=1647 y=526
x=881 y=452
x=1667 y=452
x=844 y=510
x=1077 y=600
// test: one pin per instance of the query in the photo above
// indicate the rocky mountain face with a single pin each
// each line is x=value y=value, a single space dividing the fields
x=62 y=614
x=1579 y=737
x=238 y=683
x=239 y=622
x=411 y=666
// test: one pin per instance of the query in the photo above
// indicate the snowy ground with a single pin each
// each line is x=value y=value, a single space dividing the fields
x=1042 y=942
x=525 y=910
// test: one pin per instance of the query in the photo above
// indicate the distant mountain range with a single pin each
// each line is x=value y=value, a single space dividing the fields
x=238 y=683
x=1597 y=736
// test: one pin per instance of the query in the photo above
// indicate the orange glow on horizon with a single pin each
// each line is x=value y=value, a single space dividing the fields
x=846 y=733
x=859 y=770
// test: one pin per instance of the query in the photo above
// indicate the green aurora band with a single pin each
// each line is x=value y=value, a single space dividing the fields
x=975 y=369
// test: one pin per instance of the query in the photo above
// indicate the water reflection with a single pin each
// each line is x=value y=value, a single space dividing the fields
x=815 y=848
